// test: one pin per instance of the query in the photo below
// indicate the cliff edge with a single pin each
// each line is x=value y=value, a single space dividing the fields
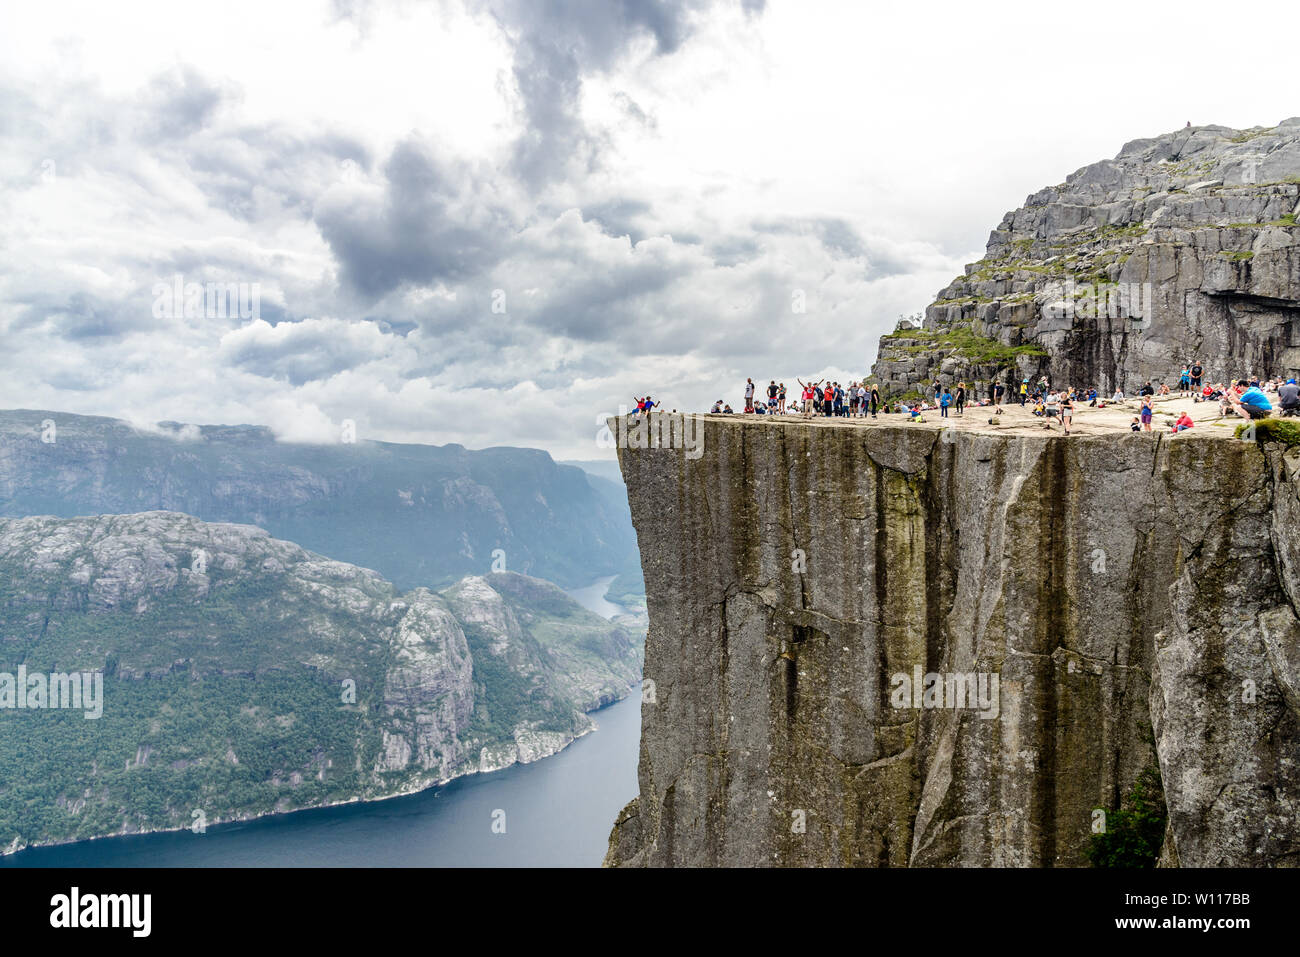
x=1134 y=596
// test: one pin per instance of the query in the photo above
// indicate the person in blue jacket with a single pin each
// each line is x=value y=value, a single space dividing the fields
x=1253 y=402
x=944 y=401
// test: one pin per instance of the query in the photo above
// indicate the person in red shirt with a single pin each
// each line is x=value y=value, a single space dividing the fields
x=809 y=390
x=1184 y=422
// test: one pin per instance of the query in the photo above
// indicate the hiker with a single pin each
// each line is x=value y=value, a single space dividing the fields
x=749 y=395
x=1184 y=381
x=1184 y=422
x=1288 y=397
x=998 y=390
x=875 y=400
x=809 y=390
x=1051 y=408
x=1024 y=392
x=780 y=398
x=1147 y=412
x=1195 y=373
x=1252 y=402
x=771 y=394
x=944 y=400
x=961 y=398
x=1067 y=412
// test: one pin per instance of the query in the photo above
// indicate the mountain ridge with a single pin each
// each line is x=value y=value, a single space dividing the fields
x=422 y=515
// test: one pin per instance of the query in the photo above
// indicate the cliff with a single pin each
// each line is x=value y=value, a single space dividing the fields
x=243 y=675
x=1135 y=596
x=1183 y=246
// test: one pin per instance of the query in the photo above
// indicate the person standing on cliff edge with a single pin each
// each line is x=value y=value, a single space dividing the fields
x=749 y=395
x=875 y=399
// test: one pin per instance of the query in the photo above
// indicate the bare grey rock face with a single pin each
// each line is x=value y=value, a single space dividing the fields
x=1122 y=588
x=1184 y=246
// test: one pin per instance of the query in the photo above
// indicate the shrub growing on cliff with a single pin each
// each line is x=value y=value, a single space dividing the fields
x=1135 y=832
x=964 y=343
x=1272 y=430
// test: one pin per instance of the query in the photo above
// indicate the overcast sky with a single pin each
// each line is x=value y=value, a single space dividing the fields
x=642 y=191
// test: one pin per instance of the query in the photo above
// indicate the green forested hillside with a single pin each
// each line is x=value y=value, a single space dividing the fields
x=244 y=675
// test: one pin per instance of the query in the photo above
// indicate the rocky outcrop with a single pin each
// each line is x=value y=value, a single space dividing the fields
x=1183 y=246
x=1134 y=596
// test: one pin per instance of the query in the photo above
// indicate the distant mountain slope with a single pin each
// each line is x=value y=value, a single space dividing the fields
x=628 y=589
x=419 y=514
x=226 y=656
x=600 y=468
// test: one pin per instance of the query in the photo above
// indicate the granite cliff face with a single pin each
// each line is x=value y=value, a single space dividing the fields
x=244 y=675
x=1135 y=595
x=1184 y=246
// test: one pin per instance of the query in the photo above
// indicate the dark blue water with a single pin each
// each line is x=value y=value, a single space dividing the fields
x=557 y=812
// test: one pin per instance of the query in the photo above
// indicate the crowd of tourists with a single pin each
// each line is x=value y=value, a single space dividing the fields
x=1250 y=397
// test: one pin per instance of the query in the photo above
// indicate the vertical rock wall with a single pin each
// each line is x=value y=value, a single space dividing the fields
x=1122 y=589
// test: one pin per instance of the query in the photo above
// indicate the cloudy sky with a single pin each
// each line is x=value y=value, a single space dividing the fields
x=489 y=221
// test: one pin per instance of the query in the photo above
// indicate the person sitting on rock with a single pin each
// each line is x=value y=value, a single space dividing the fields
x=1184 y=422
x=1288 y=397
x=1252 y=402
